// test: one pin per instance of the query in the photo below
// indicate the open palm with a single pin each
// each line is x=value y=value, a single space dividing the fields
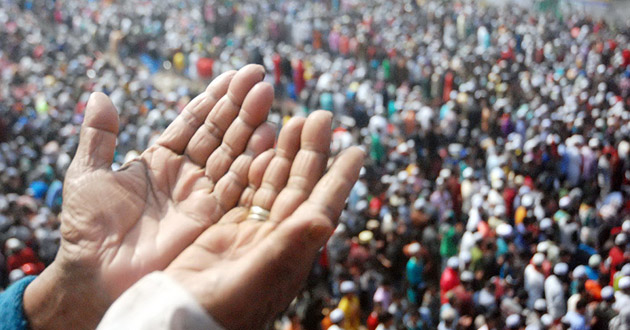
x=117 y=226
x=244 y=271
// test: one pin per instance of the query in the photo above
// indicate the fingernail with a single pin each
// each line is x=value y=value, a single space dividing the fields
x=90 y=99
x=263 y=73
x=330 y=117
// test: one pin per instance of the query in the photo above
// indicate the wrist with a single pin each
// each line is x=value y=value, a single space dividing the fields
x=57 y=300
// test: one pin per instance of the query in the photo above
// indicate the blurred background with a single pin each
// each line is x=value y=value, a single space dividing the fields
x=496 y=190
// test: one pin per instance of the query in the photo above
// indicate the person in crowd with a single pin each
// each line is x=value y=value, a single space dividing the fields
x=496 y=135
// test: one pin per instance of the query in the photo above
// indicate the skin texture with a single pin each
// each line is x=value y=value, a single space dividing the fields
x=186 y=199
x=245 y=271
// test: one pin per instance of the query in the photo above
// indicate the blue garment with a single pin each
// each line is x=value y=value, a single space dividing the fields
x=11 y=305
x=577 y=321
x=592 y=274
x=415 y=268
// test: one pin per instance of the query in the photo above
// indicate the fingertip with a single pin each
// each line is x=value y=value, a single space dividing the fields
x=317 y=131
x=356 y=156
x=224 y=78
x=243 y=81
x=100 y=113
x=258 y=102
x=322 y=114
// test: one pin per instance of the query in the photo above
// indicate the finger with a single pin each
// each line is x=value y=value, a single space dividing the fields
x=308 y=166
x=97 y=142
x=286 y=255
x=230 y=187
x=315 y=219
x=178 y=134
x=276 y=175
x=253 y=112
x=208 y=137
x=255 y=176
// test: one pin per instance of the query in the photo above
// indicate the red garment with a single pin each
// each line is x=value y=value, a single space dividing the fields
x=344 y=45
x=448 y=86
x=298 y=77
x=626 y=57
x=277 y=68
x=375 y=205
x=448 y=281
x=358 y=255
x=508 y=196
x=323 y=258
x=317 y=39
x=372 y=321
x=465 y=304
x=26 y=255
x=616 y=258
x=455 y=189
x=205 y=67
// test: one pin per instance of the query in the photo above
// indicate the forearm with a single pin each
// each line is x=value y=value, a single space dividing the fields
x=56 y=301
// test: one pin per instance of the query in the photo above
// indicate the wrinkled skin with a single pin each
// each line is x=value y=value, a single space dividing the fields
x=186 y=199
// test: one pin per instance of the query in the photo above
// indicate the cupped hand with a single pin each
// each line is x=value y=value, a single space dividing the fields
x=118 y=226
x=244 y=271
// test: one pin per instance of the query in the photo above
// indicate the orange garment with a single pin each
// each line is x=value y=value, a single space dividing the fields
x=594 y=289
x=519 y=215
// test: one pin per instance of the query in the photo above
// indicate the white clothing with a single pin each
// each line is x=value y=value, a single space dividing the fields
x=534 y=285
x=622 y=300
x=554 y=294
x=157 y=302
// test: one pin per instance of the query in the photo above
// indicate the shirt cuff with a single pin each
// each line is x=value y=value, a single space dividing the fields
x=157 y=302
x=12 y=305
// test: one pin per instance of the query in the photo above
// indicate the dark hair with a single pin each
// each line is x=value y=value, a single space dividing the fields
x=581 y=303
x=385 y=317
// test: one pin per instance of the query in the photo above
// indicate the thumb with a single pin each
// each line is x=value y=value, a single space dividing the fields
x=98 y=136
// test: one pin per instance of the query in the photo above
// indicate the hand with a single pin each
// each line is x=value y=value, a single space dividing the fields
x=245 y=271
x=119 y=226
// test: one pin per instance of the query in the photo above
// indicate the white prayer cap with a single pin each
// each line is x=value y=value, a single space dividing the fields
x=542 y=247
x=414 y=248
x=607 y=292
x=504 y=230
x=624 y=283
x=467 y=276
x=527 y=200
x=448 y=314
x=564 y=202
x=561 y=269
x=336 y=316
x=513 y=321
x=16 y=275
x=540 y=305
x=579 y=272
x=538 y=259
x=594 y=261
x=545 y=224
x=347 y=287
x=621 y=239
x=452 y=262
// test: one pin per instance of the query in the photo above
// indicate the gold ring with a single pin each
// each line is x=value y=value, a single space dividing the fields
x=258 y=213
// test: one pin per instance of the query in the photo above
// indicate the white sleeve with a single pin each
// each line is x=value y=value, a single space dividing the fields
x=157 y=302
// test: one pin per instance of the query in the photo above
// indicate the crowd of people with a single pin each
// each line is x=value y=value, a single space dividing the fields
x=496 y=193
